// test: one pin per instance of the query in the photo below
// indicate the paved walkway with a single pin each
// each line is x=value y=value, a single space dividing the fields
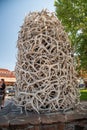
x=8 y=100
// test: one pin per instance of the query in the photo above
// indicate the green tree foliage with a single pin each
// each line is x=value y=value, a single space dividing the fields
x=73 y=15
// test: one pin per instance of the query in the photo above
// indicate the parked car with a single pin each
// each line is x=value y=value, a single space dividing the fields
x=81 y=83
x=10 y=90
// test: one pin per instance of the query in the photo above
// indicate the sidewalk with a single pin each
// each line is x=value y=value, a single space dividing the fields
x=8 y=100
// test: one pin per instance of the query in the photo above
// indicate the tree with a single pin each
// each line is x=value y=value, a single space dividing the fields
x=73 y=15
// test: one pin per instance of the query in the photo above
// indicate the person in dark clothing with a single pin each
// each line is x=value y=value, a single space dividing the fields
x=2 y=91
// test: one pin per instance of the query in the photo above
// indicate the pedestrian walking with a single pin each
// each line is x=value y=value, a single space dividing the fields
x=2 y=92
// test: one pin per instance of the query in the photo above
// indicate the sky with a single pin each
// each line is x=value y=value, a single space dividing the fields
x=12 y=14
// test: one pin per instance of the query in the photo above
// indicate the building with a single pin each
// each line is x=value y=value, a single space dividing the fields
x=8 y=76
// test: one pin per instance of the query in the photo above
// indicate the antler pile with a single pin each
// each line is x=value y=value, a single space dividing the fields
x=46 y=78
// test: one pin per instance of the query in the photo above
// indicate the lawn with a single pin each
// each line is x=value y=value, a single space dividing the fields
x=83 y=94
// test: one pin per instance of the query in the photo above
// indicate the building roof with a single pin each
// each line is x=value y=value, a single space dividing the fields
x=7 y=75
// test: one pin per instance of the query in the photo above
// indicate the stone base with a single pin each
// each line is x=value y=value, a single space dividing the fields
x=13 y=119
x=58 y=126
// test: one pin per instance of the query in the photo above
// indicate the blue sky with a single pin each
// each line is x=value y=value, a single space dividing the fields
x=12 y=13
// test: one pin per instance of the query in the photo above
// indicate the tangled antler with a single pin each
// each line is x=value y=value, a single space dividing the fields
x=46 y=78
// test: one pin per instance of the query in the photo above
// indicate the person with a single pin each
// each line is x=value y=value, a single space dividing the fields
x=2 y=92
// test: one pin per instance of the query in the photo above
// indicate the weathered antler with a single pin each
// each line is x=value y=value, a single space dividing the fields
x=45 y=74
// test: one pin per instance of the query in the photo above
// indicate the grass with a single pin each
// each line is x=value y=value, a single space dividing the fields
x=83 y=96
